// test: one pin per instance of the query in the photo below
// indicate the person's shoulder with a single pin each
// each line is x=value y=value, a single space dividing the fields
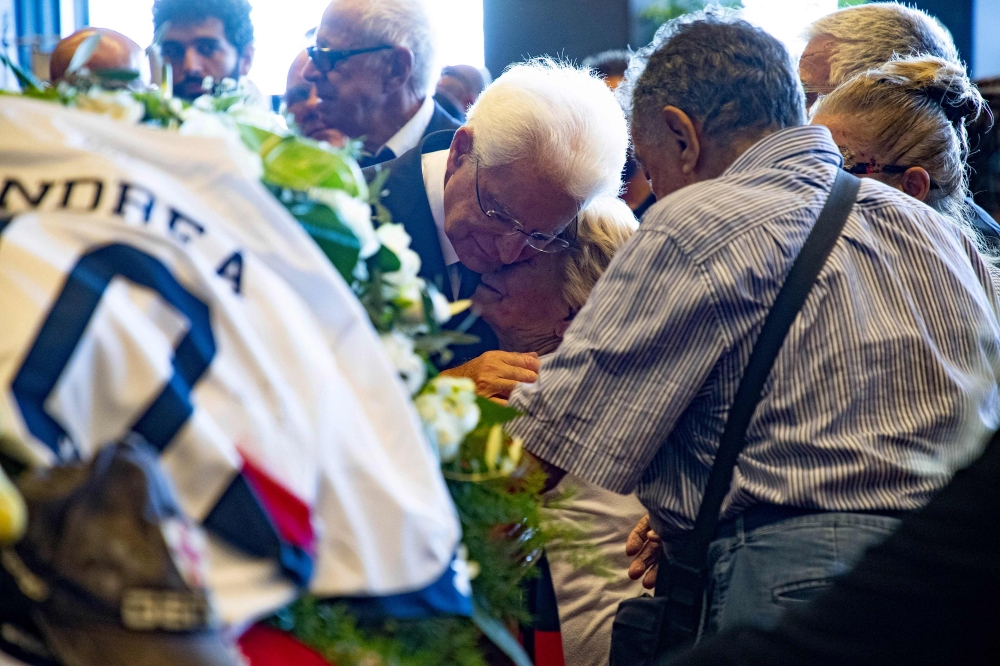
x=707 y=216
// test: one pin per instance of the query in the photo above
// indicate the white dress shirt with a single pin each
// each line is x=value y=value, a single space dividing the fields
x=409 y=135
x=434 y=166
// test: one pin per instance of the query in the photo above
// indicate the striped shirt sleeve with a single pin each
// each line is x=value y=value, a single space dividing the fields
x=610 y=395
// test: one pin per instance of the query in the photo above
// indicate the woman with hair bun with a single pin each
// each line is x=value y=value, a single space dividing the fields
x=905 y=125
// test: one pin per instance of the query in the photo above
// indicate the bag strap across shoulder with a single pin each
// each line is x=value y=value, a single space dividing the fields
x=807 y=266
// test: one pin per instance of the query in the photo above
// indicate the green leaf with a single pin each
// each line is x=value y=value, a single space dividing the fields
x=491 y=413
x=116 y=75
x=385 y=260
x=303 y=164
x=334 y=238
x=25 y=79
x=83 y=53
x=499 y=636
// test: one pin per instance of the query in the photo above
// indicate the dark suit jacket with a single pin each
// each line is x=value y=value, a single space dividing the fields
x=407 y=201
x=449 y=107
x=440 y=122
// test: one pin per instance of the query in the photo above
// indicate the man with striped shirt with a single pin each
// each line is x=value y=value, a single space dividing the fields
x=887 y=379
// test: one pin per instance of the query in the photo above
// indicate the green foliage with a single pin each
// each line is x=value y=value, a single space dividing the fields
x=333 y=631
x=850 y=3
x=667 y=10
x=322 y=223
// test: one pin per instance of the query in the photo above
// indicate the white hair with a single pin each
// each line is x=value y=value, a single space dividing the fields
x=603 y=227
x=868 y=36
x=562 y=118
x=402 y=23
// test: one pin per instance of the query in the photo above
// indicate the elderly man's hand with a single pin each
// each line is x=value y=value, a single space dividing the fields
x=644 y=547
x=496 y=373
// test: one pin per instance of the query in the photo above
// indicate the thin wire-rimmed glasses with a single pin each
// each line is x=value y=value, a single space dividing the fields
x=536 y=240
x=326 y=59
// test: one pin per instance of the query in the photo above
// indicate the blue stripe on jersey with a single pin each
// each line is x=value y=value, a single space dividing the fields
x=64 y=327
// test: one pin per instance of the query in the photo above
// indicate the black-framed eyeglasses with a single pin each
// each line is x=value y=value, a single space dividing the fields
x=536 y=240
x=326 y=59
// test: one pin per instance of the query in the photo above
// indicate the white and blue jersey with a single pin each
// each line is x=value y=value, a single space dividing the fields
x=150 y=285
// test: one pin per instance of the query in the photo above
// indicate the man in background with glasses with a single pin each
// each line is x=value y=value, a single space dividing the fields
x=374 y=71
x=205 y=42
x=540 y=143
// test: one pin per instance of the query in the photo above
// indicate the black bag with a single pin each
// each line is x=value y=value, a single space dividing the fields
x=646 y=627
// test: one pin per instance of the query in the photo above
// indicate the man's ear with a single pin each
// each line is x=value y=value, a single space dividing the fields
x=461 y=150
x=682 y=129
x=398 y=68
x=246 y=60
x=916 y=182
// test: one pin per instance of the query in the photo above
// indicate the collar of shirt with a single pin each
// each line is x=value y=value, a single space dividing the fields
x=409 y=135
x=434 y=166
x=787 y=144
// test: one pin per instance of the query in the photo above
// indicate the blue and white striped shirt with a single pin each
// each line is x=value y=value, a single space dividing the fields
x=885 y=384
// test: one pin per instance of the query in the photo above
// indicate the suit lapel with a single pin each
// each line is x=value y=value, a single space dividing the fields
x=407 y=202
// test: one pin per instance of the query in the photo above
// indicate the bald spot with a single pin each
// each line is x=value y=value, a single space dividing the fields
x=116 y=51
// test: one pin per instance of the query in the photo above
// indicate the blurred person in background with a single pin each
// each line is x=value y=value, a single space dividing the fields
x=856 y=39
x=984 y=143
x=115 y=51
x=205 y=39
x=529 y=305
x=612 y=65
x=905 y=125
x=458 y=88
x=374 y=70
x=835 y=53
x=302 y=103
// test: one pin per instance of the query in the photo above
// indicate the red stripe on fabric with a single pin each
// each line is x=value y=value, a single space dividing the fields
x=266 y=646
x=290 y=515
x=549 y=649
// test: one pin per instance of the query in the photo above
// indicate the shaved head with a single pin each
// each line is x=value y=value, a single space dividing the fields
x=116 y=51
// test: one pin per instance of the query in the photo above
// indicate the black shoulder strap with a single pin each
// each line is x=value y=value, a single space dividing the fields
x=812 y=257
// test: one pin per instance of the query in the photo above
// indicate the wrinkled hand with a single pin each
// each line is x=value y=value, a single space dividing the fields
x=644 y=547
x=496 y=373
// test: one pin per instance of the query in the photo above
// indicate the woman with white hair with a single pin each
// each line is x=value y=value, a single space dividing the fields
x=529 y=305
x=905 y=125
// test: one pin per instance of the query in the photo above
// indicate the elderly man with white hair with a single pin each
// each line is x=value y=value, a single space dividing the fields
x=541 y=142
x=856 y=39
x=374 y=69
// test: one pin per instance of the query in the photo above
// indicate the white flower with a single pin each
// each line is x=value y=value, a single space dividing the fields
x=449 y=413
x=249 y=114
x=356 y=214
x=394 y=237
x=119 y=105
x=442 y=308
x=441 y=425
x=217 y=125
x=409 y=365
x=201 y=122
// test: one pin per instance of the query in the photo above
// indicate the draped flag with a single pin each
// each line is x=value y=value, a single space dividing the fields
x=150 y=286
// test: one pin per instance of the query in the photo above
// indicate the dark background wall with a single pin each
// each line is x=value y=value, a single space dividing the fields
x=571 y=28
x=577 y=28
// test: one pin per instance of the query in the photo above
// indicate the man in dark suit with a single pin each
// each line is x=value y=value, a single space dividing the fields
x=373 y=68
x=542 y=141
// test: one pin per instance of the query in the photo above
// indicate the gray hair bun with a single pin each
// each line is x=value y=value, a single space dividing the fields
x=943 y=82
